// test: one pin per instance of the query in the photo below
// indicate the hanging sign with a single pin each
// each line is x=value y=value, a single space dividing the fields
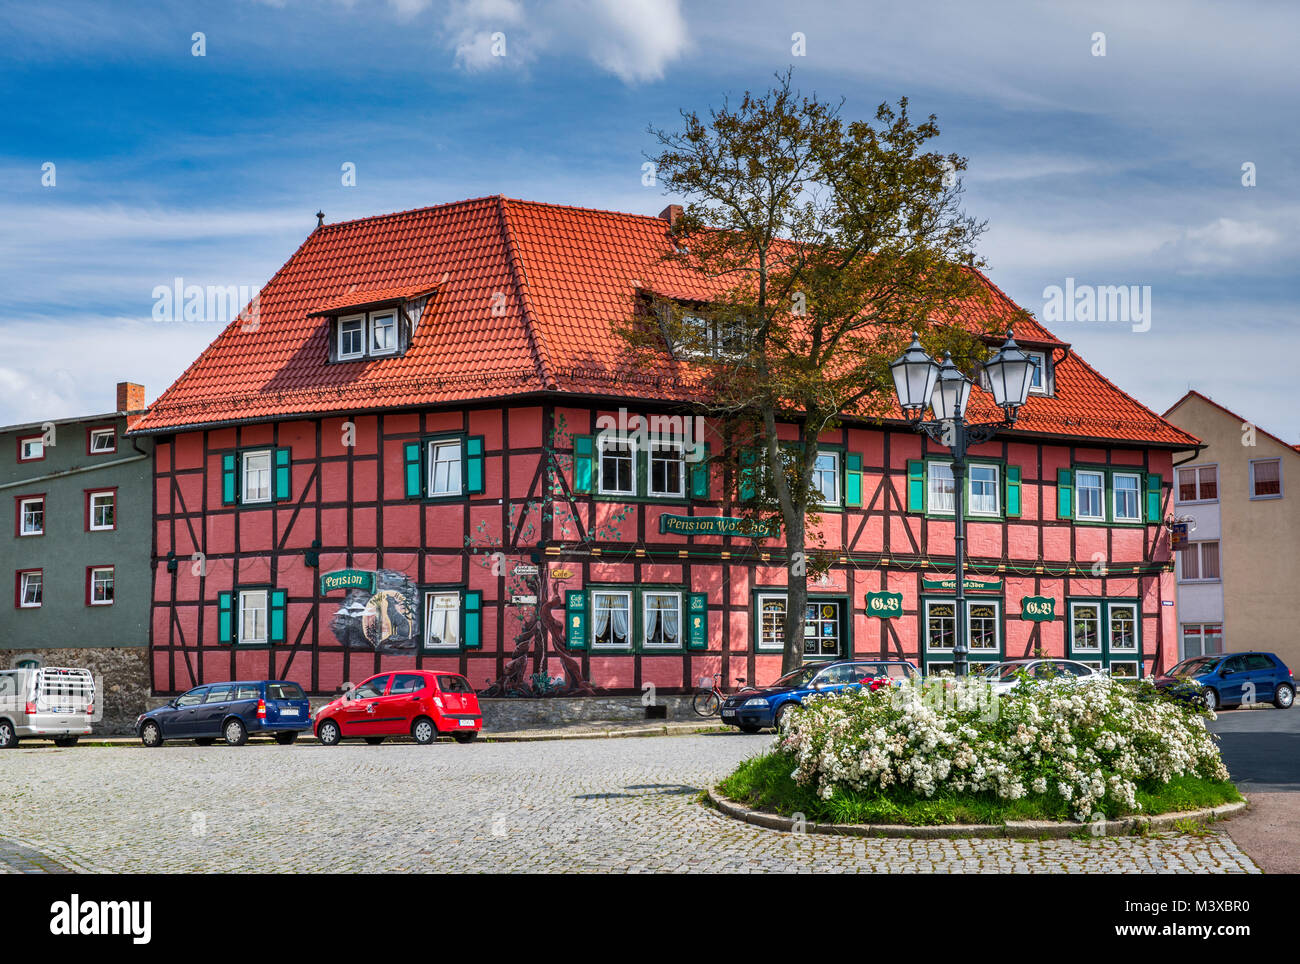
x=949 y=584
x=713 y=525
x=1038 y=609
x=885 y=605
x=347 y=579
x=1178 y=536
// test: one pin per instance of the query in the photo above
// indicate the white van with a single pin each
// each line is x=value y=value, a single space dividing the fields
x=52 y=702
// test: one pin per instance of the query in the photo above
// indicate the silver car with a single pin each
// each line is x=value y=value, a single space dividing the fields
x=1004 y=677
x=53 y=703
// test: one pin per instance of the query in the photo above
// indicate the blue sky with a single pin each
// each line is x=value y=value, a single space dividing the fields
x=1123 y=169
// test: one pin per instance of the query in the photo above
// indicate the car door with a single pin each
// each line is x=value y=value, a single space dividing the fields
x=359 y=708
x=183 y=719
x=1232 y=674
x=208 y=716
x=397 y=710
x=1261 y=679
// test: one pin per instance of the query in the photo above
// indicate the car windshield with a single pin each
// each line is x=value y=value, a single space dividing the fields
x=1002 y=672
x=800 y=678
x=1195 y=666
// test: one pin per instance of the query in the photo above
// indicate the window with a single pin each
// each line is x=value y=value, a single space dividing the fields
x=1266 y=479
x=442 y=620
x=662 y=619
x=821 y=629
x=826 y=477
x=99 y=587
x=1085 y=621
x=222 y=693
x=31 y=516
x=1123 y=627
x=1202 y=639
x=31 y=449
x=1091 y=488
x=101 y=511
x=617 y=467
x=257 y=476
x=371 y=688
x=1038 y=378
x=667 y=469
x=771 y=622
x=1199 y=484
x=941 y=486
x=1106 y=634
x=940 y=625
x=352 y=337
x=444 y=467
x=1200 y=562
x=102 y=440
x=407 y=683
x=1125 y=492
x=611 y=620
x=194 y=697
x=30 y=585
x=710 y=336
x=981 y=626
x=983 y=489
x=383 y=333
x=252 y=616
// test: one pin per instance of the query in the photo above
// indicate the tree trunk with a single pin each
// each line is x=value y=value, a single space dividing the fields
x=796 y=597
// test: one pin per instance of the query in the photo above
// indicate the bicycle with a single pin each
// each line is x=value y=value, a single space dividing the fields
x=708 y=699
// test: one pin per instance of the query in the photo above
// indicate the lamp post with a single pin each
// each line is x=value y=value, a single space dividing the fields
x=920 y=383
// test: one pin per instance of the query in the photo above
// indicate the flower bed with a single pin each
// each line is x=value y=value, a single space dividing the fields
x=952 y=751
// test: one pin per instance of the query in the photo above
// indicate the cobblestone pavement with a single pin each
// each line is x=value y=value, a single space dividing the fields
x=574 y=805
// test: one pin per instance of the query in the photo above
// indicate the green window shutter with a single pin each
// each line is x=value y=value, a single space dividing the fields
x=414 y=475
x=575 y=619
x=283 y=474
x=697 y=620
x=1154 y=498
x=474 y=465
x=225 y=617
x=1064 y=493
x=853 y=480
x=275 y=620
x=916 y=486
x=748 y=471
x=473 y=636
x=229 y=479
x=1013 y=492
x=582 y=467
x=699 y=474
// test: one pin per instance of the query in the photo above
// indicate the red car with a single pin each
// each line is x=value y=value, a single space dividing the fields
x=421 y=704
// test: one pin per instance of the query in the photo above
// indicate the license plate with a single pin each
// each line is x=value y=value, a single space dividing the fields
x=728 y=713
x=288 y=711
x=466 y=722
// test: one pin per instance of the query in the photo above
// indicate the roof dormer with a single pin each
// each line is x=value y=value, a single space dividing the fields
x=373 y=323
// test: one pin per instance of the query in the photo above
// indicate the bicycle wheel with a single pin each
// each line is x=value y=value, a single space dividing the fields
x=706 y=703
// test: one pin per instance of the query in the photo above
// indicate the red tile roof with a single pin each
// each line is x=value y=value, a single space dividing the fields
x=368 y=297
x=526 y=299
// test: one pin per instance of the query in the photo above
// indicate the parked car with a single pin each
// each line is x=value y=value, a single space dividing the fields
x=422 y=704
x=52 y=702
x=1004 y=677
x=1231 y=679
x=232 y=711
x=753 y=709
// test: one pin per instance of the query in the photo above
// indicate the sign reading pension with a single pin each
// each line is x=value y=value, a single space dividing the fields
x=347 y=579
x=885 y=605
x=713 y=525
x=1038 y=609
x=970 y=585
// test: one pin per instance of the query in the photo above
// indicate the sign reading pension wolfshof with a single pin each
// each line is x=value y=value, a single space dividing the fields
x=715 y=525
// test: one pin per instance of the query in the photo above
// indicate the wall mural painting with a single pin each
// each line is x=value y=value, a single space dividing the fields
x=380 y=612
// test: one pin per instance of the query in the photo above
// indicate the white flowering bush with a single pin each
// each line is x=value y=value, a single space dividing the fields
x=1090 y=744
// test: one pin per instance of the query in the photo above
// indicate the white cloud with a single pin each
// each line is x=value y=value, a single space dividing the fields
x=634 y=39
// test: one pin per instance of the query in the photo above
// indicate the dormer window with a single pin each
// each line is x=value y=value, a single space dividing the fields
x=1040 y=381
x=375 y=322
x=383 y=332
x=352 y=337
x=373 y=334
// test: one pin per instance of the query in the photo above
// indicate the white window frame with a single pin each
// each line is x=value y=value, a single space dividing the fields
x=601 y=487
x=245 y=497
x=390 y=318
x=91 y=507
x=98 y=433
x=1072 y=646
x=612 y=647
x=246 y=599
x=997 y=625
x=430 y=610
x=997 y=490
x=930 y=479
x=1137 y=629
x=37 y=455
x=1137 y=497
x=1136 y=664
x=925 y=627
x=112 y=584
x=760 y=646
x=1196 y=475
x=23 y=578
x=1078 y=491
x=22 y=516
x=645 y=621
x=435 y=445
x=1043 y=387
x=1197 y=548
x=655 y=449
x=351 y=355
x=834 y=456
x=1281 y=486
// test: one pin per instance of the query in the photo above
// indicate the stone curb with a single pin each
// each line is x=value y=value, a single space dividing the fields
x=1037 y=829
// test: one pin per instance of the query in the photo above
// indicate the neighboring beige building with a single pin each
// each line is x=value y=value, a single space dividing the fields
x=1239 y=576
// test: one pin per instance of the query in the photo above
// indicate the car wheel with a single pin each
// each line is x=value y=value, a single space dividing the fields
x=8 y=735
x=235 y=732
x=150 y=734
x=423 y=731
x=65 y=741
x=1284 y=696
x=205 y=740
x=374 y=740
x=1210 y=699
x=465 y=737
x=329 y=733
x=749 y=727
x=284 y=739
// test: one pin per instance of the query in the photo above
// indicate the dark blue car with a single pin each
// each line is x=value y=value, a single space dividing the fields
x=232 y=711
x=753 y=709
x=1231 y=679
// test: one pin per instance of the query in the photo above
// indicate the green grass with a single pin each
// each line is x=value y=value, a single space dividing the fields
x=764 y=783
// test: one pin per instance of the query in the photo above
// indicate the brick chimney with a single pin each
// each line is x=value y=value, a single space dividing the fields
x=130 y=397
x=671 y=214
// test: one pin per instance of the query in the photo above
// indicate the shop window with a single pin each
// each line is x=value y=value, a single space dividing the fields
x=983 y=631
x=1106 y=634
x=824 y=626
x=821 y=629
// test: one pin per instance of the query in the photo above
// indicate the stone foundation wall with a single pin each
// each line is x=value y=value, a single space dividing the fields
x=122 y=674
x=525 y=714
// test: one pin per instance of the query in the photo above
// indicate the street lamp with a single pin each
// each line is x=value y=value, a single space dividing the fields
x=919 y=382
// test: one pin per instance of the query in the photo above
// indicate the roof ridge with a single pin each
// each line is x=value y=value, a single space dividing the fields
x=1159 y=418
x=1227 y=411
x=520 y=276
x=409 y=211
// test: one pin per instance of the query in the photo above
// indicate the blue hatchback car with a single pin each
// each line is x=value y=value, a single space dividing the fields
x=753 y=709
x=1232 y=679
x=231 y=711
